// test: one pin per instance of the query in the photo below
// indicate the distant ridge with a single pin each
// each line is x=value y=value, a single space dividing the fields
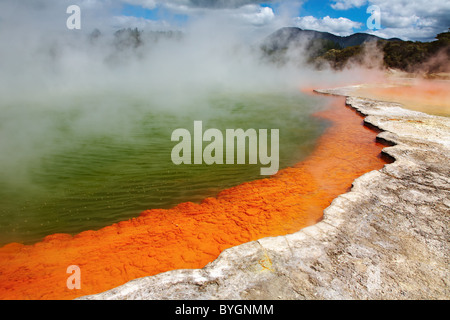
x=285 y=37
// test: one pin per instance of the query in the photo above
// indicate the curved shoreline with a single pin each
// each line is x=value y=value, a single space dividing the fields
x=387 y=238
x=192 y=235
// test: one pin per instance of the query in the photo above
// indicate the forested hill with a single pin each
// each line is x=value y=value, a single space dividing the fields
x=286 y=37
x=325 y=48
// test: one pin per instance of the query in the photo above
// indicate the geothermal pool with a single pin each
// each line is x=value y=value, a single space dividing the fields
x=191 y=235
x=72 y=162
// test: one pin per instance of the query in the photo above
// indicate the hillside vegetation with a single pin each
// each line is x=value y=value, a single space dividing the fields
x=323 y=49
x=409 y=56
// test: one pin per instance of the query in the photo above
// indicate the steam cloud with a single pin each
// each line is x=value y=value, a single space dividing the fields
x=56 y=79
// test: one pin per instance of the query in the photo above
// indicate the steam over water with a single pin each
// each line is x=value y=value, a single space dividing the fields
x=59 y=178
x=86 y=122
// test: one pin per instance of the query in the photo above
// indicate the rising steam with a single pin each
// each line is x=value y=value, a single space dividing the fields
x=83 y=82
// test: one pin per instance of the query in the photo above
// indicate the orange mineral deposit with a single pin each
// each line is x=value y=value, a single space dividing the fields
x=192 y=235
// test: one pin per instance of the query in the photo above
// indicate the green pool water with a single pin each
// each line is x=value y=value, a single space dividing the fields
x=76 y=162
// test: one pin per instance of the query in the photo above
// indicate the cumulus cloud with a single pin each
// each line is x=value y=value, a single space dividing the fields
x=423 y=9
x=409 y=26
x=405 y=19
x=103 y=14
x=239 y=11
x=257 y=15
x=347 y=4
x=339 y=26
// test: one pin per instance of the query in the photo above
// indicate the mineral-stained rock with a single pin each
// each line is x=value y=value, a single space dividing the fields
x=387 y=238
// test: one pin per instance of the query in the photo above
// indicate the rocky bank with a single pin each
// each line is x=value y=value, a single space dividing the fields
x=387 y=238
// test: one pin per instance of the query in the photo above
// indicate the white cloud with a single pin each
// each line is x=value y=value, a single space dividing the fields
x=347 y=4
x=406 y=19
x=413 y=20
x=240 y=11
x=420 y=34
x=340 y=26
x=258 y=15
